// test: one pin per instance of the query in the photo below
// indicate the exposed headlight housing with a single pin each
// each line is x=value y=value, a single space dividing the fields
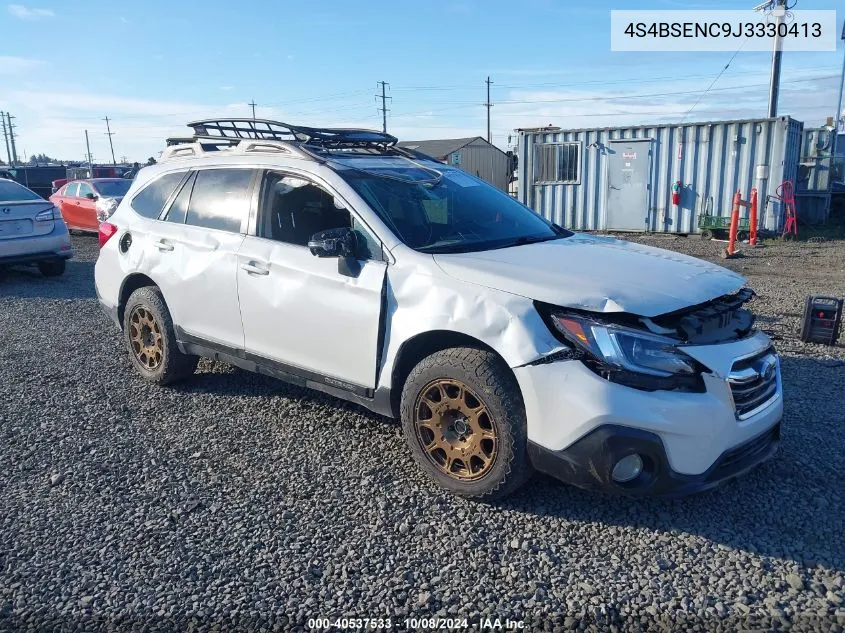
x=105 y=208
x=628 y=356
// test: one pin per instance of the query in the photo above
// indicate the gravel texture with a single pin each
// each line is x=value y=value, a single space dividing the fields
x=236 y=501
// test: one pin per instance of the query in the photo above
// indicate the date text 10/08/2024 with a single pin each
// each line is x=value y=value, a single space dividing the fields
x=416 y=624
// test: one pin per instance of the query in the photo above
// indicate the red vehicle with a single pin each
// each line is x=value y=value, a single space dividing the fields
x=86 y=203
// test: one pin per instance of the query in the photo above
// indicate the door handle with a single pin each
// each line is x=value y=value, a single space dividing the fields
x=163 y=246
x=254 y=269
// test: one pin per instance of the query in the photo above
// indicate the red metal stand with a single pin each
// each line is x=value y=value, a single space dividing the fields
x=786 y=194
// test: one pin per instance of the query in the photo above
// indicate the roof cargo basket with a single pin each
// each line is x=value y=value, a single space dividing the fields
x=236 y=130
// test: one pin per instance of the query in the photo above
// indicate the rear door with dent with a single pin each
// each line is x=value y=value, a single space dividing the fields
x=195 y=246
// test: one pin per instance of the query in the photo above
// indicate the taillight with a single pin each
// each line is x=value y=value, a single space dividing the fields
x=107 y=229
x=49 y=215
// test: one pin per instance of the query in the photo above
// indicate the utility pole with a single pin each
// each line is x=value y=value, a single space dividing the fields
x=841 y=84
x=12 y=127
x=838 y=115
x=253 y=104
x=488 y=105
x=778 y=8
x=383 y=109
x=88 y=149
x=6 y=138
x=109 y=133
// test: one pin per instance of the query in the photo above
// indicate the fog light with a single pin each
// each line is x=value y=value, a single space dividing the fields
x=627 y=469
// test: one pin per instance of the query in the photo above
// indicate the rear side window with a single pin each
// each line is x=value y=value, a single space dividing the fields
x=72 y=190
x=150 y=201
x=179 y=208
x=220 y=199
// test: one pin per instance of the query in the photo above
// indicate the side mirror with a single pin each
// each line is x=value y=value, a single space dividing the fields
x=91 y=196
x=333 y=243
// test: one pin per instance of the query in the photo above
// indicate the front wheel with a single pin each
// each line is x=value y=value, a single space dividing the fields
x=464 y=420
x=151 y=339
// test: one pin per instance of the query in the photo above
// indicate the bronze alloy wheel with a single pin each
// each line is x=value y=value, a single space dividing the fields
x=455 y=429
x=145 y=338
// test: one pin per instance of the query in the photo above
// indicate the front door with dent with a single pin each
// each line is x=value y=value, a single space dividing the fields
x=316 y=316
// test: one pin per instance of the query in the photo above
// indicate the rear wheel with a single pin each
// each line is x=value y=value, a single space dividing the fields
x=52 y=268
x=706 y=234
x=151 y=339
x=464 y=420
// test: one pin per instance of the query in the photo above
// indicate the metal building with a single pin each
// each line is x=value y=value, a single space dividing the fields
x=473 y=155
x=813 y=184
x=622 y=179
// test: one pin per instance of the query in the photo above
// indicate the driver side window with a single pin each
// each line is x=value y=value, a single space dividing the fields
x=84 y=190
x=293 y=209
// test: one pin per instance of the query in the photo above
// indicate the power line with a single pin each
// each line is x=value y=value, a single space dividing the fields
x=383 y=108
x=713 y=83
x=109 y=133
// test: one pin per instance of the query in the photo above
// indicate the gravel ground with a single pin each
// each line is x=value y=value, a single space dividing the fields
x=237 y=501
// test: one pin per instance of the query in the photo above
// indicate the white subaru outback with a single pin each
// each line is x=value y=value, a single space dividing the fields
x=504 y=343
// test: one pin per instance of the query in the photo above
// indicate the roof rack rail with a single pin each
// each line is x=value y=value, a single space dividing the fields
x=236 y=130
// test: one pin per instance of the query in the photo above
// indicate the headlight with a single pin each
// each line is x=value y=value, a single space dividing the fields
x=105 y=207
x=624 y=348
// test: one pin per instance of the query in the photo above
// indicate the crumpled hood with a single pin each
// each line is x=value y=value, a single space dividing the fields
x=596 y=273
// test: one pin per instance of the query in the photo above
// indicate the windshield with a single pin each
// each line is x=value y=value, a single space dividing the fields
x=436 y=209
x=13 y=192
x=112 y=188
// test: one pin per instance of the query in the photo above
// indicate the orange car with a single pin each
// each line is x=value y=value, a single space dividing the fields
x=86 y=203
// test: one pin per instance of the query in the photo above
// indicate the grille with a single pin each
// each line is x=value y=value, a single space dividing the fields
x=751 y=450
x=754 y=382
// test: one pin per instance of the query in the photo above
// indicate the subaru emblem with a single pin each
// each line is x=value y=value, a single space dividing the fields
x=767 y=370
x=6 y=210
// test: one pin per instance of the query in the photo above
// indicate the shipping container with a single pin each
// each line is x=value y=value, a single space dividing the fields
x=622 y=179
x=813 y=184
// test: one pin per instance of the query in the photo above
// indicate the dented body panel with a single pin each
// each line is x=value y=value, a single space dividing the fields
x=306 y=312
x=420 y=299
x=598 y=274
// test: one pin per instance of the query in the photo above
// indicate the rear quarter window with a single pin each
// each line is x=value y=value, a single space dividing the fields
x=150 y=201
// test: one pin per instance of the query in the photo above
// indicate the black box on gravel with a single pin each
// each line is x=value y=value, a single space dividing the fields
x=822 y=316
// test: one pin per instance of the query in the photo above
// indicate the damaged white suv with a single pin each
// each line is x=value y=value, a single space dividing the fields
x=335 y=260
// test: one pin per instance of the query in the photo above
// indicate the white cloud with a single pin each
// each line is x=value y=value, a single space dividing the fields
x=123 y=20
x=227 y=88
x=54 y=121
x=29 y=13
x=14 y=65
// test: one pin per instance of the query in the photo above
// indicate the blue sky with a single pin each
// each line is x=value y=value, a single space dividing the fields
x=151 y=66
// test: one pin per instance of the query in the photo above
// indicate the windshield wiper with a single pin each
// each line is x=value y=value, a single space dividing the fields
x=530 y=239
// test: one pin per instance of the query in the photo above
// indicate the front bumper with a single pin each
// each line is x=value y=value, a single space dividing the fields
x=589 y=462
x=579 y=424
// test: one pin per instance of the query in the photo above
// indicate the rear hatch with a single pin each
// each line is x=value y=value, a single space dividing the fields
x=17 y=219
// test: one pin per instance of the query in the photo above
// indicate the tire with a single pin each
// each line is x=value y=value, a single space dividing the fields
x=485 y=421
x=706 y=234
x=52 y=268
x=741 y=236
x=151 y=339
